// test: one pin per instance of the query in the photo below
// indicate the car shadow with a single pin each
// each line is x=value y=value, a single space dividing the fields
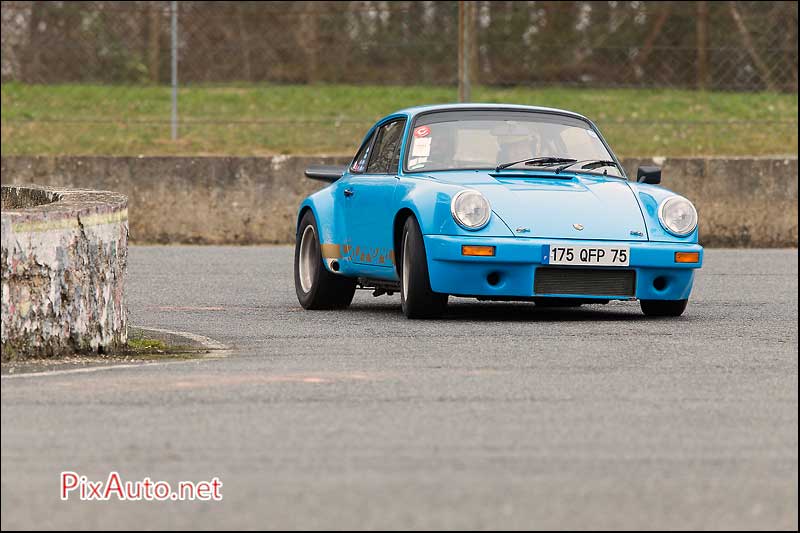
x=483 y=311
x=461 y=311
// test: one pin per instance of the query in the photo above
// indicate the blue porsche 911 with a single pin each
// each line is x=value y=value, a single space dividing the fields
x=495 y=202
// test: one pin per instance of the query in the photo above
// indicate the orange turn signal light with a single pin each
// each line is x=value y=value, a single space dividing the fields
x=482 y=251
x=687 y=257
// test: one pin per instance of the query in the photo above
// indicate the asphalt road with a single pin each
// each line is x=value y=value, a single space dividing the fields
x=499 y=416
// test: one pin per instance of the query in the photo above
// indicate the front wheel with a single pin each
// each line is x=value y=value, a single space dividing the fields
x=663 y=307
x=316 y=287
x=416 y=296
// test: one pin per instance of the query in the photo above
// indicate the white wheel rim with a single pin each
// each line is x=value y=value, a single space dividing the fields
x=406 y=265
x=307 y=260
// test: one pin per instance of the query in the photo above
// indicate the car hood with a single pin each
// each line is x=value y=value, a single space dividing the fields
x=556 y=207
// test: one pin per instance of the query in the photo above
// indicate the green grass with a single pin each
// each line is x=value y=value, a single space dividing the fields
x=331 y=119
x=141 y=345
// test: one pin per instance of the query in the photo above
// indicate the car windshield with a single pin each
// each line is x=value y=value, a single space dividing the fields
x=452 y=140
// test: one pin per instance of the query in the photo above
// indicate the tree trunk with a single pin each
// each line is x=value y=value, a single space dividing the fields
x=652 y=37
x=309 y=40
x=703 y=82
x=751 y=50
x=154 y=47
x=31 y=63
x=244 y=39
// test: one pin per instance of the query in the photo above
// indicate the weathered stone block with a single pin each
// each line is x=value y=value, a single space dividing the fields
x=64 y=256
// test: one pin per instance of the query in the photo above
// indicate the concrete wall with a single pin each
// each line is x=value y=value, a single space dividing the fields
x=64 y=255
x=742 y=201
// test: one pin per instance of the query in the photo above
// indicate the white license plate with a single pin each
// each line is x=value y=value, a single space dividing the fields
x=603 y=256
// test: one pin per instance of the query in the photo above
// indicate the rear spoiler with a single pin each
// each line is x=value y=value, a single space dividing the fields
x=329 y=173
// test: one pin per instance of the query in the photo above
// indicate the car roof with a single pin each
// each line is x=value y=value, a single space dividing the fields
x=414 y=111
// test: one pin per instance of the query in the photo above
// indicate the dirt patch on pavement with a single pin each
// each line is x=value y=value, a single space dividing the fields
x=144 y=346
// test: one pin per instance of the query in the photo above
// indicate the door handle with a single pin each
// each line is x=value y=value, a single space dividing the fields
x=348 y=193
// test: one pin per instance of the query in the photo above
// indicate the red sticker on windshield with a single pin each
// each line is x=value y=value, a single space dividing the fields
x=422 y=131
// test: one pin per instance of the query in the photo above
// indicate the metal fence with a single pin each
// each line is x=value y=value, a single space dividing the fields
x=90 y=68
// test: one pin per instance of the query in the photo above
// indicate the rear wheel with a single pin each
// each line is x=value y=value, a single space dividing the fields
x=416 y=296
x=663 y=307
x=316 y=287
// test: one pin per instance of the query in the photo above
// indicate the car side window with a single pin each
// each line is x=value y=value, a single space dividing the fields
x=360 y=162
x=386 y=153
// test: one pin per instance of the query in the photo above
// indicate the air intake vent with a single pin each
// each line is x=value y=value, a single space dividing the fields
x=585 y=281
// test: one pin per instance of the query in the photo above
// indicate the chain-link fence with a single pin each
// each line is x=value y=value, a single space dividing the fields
x=676 y=77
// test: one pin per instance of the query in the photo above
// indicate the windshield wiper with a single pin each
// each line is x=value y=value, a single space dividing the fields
x=538 y=161
x=589 y=164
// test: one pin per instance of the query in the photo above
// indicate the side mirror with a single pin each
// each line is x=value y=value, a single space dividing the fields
x=651 y=175
x=329 y=173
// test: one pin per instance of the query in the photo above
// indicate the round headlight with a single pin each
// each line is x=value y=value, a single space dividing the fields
x=470 y=209
x=678 y=216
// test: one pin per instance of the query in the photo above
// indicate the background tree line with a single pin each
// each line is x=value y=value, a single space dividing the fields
x=716 y=45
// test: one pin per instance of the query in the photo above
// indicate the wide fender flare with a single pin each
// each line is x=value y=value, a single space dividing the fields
x=429 y=201
x=649 y=198
x=321 y=204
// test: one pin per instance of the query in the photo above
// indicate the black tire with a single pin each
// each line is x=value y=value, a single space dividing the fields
x=322 y=290
x=416 y=296
x=663 y=307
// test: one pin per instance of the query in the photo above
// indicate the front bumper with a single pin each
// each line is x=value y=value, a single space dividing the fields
x=511 y=272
